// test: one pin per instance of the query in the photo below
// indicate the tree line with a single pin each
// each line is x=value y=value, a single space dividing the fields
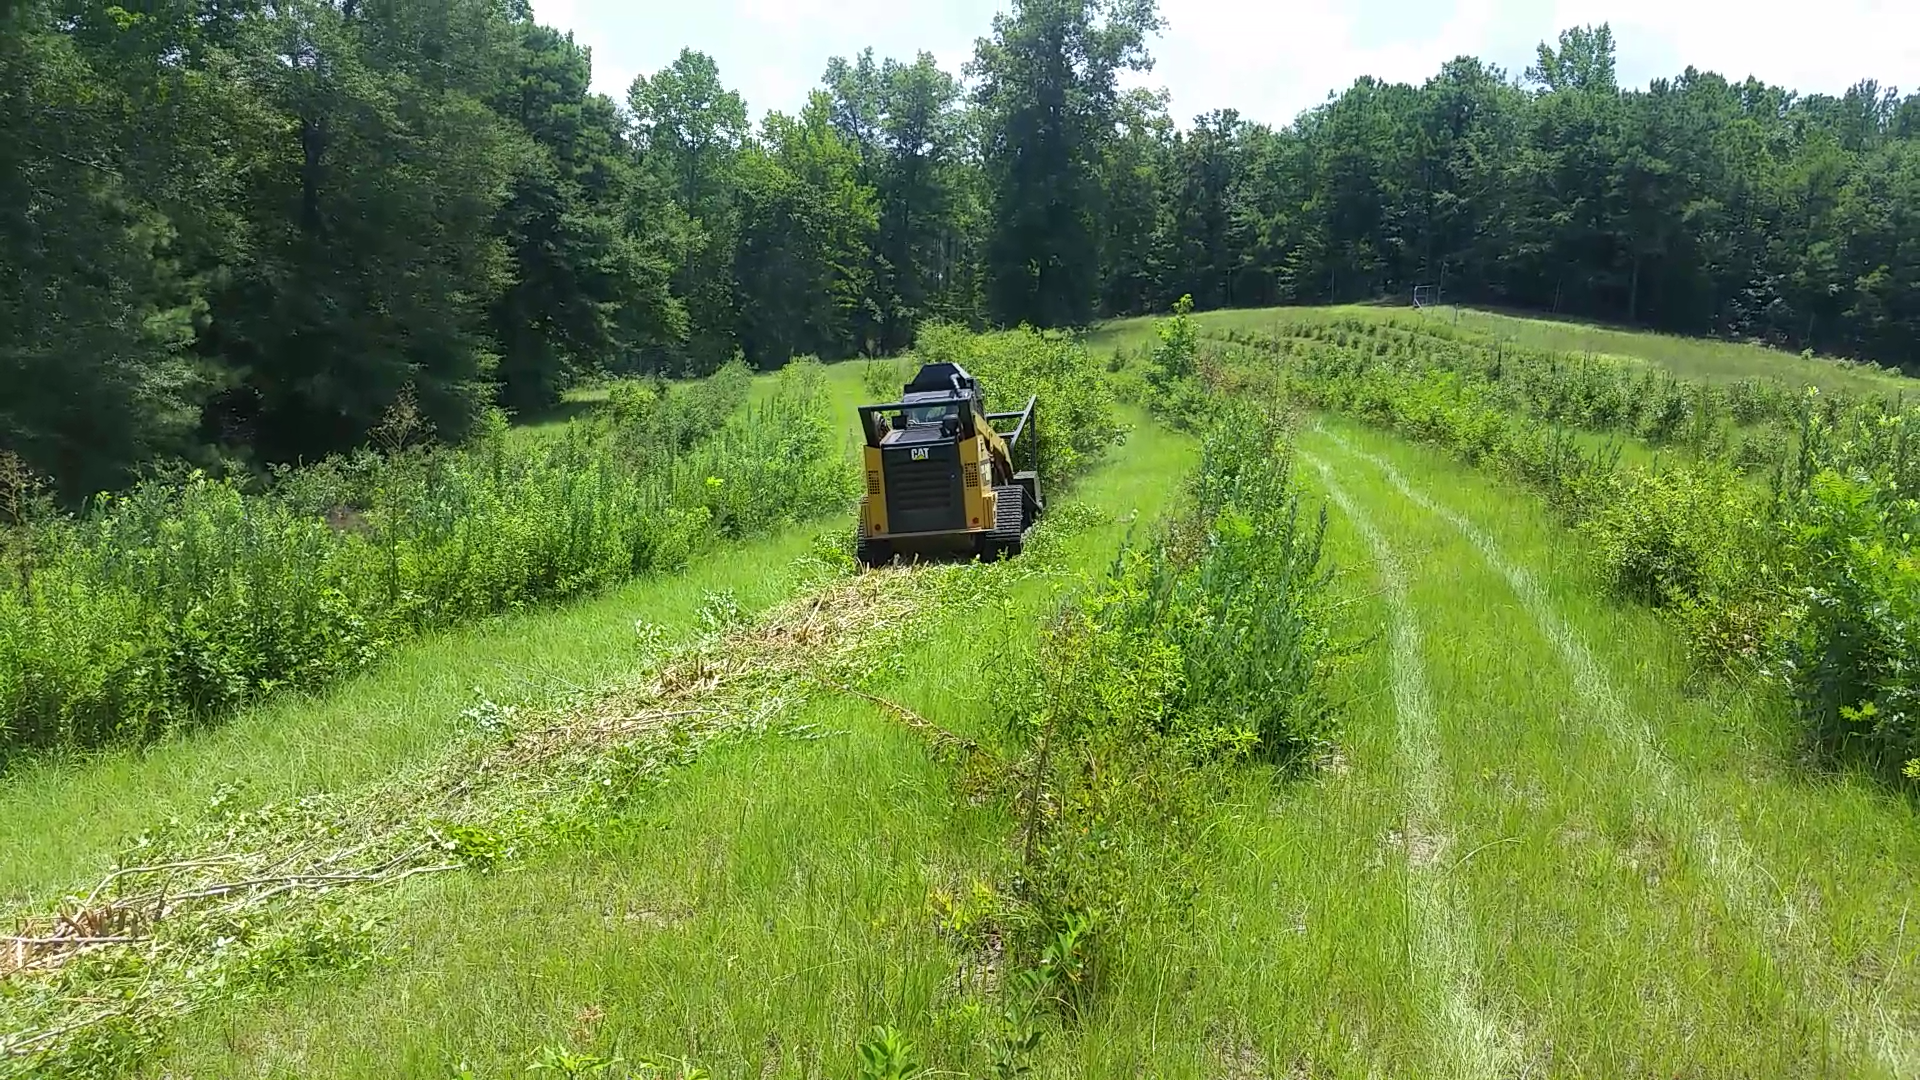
x=235 y=232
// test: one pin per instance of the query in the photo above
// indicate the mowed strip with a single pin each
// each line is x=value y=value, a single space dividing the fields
x=1469 y=1043
x=1600 y=942
x=1753 y=896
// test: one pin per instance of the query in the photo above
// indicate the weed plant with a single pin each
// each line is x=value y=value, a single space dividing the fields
x=1172 y=389
x=181 y=600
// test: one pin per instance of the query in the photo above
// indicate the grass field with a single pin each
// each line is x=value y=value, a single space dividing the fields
x=1641 y=881
x=61 y=819
x=1534 y=855
x=1543 y=844
x=1688 y=358
x=773 y=906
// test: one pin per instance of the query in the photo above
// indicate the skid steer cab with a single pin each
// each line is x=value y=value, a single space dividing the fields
x=941 y=478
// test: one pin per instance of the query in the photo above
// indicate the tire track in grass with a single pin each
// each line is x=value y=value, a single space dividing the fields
x=1744 y=885
x=1471 y=1044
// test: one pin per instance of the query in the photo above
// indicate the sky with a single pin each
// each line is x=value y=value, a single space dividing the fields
x=1269 y=60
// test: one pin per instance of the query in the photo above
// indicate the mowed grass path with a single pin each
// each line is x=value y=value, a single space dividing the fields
x=1536 y=853
x=769 y=906
x=1648 y=883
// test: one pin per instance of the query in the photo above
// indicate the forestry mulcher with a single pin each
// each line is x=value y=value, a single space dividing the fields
x=941 y=478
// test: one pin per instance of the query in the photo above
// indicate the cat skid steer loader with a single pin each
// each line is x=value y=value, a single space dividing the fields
x=941 y=478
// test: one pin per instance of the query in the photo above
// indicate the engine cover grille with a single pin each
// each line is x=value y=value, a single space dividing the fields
x=925 y=494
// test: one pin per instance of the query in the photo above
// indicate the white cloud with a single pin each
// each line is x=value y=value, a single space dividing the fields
x=1269 y=60
x=1812 y=48
x=772 y=51
x=1272 y=61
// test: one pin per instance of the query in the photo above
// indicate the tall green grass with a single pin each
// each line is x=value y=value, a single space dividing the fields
x=180 y=600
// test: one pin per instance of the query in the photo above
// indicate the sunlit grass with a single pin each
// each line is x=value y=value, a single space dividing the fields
x=1687 y=357
x=772 y=905
x=1614 y=939
x=774 y=899
x=1600 y=947
x=61 y=818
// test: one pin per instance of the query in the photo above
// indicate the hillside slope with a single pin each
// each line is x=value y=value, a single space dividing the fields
x=1685 y=357
x=1533 y=854
x=1541 y=843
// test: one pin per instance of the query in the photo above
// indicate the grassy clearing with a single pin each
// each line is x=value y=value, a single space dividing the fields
x=1786 y=551
x=549 y=424
x=773 y=902
x=182 y=600
x=1503 y=874
x=1469 y=1043
x=843 y=380
x=1542 y=846
x=61 y=817
x=459 y=797
x=776 y=899
x=1630 y=907
x=1686 y=357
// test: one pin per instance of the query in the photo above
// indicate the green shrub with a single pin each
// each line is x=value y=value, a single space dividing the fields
x=1855 y=655
x=1173 y=390
x=180 y=601
x=1176 y=351
x=1762 y=449
x=1695 y=541
x=884 y=379
x=1075 y=419
x=650 y=418
x=1236 y=596
x=1669 y=534
x=1202 y=647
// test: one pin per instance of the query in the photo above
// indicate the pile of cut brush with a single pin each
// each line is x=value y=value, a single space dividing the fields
x=247 y=898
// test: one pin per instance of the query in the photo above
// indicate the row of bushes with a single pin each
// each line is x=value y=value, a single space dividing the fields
x=183 y=599
x=1204 y=646
x=1752 y=423
x=1216 y=625
x=1809 y=574
x=1593 y=391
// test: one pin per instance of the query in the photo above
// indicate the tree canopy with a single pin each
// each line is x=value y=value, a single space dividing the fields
x=234 y=233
